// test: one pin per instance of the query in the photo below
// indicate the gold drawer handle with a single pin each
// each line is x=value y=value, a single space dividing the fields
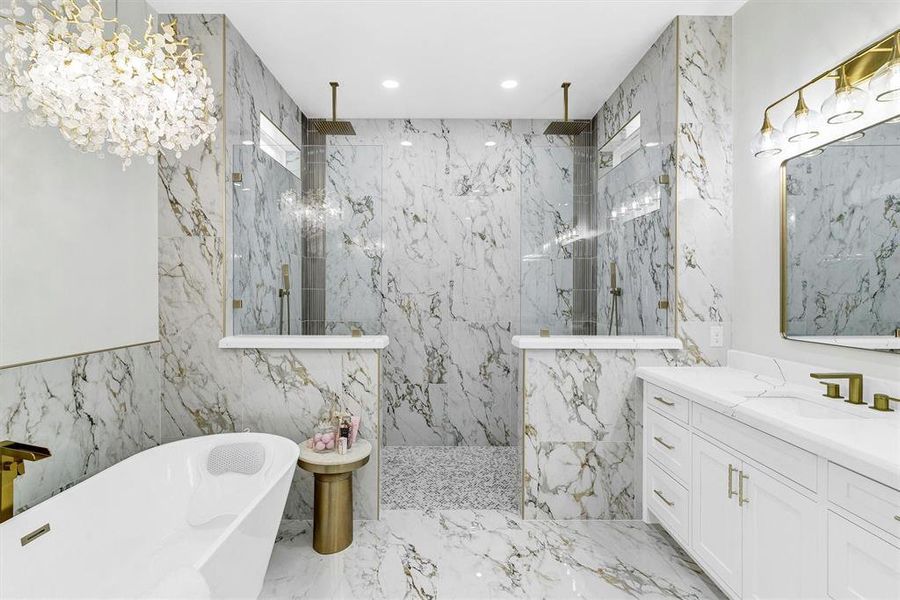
x=660 y=440
x=663 y=498
x=742 y=500
x=666 y=402
x=731 y=472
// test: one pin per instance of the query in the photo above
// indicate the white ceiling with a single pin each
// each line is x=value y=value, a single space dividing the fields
x=450 y=56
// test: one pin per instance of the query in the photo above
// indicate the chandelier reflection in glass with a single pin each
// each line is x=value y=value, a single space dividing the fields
x=119 y=94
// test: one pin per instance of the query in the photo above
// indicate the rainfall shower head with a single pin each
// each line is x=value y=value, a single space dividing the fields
x=334 y=127
x=566 y=127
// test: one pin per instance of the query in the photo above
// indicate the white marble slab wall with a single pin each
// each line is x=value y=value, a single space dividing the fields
x=206 y=390
x=704 y=186
x=91 y=411
x=354 y=250
x=844 y=238
x=451 y=219
x=643 y=247
x=580 y=433
x=265 y=207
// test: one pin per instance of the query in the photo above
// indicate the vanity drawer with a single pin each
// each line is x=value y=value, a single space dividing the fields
x=776 y=454
x=670 y=444
x=669 y=404
x=669 y=501
x=875 y=502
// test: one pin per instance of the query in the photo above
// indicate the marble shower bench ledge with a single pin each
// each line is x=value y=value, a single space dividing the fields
x=596 y=342
x=305 y=342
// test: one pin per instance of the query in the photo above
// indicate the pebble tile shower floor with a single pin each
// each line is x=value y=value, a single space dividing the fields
x=449 y=477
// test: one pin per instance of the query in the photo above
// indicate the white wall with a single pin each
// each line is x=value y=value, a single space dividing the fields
x=777 y=47
x=78 y=243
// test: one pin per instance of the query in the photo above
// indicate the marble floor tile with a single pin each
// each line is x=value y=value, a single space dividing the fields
x=449 y=477
x=465 y=554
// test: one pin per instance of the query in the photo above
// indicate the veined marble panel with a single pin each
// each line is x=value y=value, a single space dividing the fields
x=266 y=208
x=91 y=411
x=704 y=176
x=582 y=432
x=289 y=392
x=449 y=269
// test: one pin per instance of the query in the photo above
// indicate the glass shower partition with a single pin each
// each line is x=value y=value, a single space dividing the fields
x=306 y=240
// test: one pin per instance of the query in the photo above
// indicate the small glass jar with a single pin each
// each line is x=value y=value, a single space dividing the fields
x=325 y=437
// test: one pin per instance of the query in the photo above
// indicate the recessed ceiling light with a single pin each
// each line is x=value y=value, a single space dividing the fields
x=390 y=84
x=247 y=142
x=509 y=84
x=490 y=143
x=852 y=136
x=811 y=153
x=406 y=143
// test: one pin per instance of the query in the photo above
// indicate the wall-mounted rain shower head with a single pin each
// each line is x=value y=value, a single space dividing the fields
x=567 y=127
x=334 y=127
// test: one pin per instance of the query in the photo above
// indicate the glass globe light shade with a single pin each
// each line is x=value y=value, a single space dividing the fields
x=846 y=103
x=803 y=124
x=885 y=84
x=768 y=142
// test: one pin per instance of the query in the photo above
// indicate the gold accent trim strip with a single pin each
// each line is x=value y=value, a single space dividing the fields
x=73 y=355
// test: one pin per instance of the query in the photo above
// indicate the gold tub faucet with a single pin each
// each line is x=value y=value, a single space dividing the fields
x=12 y=464
x=855 y=381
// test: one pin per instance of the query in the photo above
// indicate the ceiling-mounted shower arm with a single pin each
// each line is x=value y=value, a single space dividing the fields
x=334 y=87
x=565 y=88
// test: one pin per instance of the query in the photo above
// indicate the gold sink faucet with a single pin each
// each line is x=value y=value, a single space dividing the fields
x=12 y=464
x=832 y=390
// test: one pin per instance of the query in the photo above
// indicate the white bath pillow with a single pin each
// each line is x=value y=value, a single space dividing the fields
x=246 y=458
x=232 y=477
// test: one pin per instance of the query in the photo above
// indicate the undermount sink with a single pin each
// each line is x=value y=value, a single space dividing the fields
x=801 y=407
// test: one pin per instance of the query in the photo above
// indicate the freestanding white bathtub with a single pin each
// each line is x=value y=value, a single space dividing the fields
x=191 y=519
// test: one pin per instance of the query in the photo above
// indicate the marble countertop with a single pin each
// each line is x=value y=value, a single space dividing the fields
x=861 y=439
x=596 y=342
x=306 y=342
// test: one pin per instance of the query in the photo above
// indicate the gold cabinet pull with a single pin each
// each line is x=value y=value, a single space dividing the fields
x=731 y=472
x=742 y=500
x=663 y=498
x=666 y=402
x=897 y=517
x=662 y=443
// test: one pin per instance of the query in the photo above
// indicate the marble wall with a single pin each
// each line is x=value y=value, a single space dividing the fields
x=266 y=206
x=204 y=389
x=843 y=211
x=643 y=247
x=447 y=268
x=91 y=411
x=582 y=429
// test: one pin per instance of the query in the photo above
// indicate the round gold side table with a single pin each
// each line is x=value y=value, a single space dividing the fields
x=333 y=503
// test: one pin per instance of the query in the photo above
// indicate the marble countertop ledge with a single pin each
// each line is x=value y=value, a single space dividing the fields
x=596 y=342
x=305 y=342
x=862 y=440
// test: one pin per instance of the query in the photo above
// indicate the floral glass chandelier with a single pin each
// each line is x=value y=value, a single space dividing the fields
x=105 y=93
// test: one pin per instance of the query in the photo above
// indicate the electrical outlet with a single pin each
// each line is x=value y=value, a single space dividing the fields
x=716 y=336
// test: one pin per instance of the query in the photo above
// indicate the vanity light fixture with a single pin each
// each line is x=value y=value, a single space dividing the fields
x=768 y=141
x=876 y=67
x=885 y=83
x=846 y=103
x=390 y=84
x=509 y=84
x=803 y=124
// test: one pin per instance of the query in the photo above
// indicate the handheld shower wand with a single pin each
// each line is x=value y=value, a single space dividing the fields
x=615 y=291
x=284 y=295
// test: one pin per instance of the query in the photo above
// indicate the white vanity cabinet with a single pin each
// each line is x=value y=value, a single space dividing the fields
x=763 y=517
